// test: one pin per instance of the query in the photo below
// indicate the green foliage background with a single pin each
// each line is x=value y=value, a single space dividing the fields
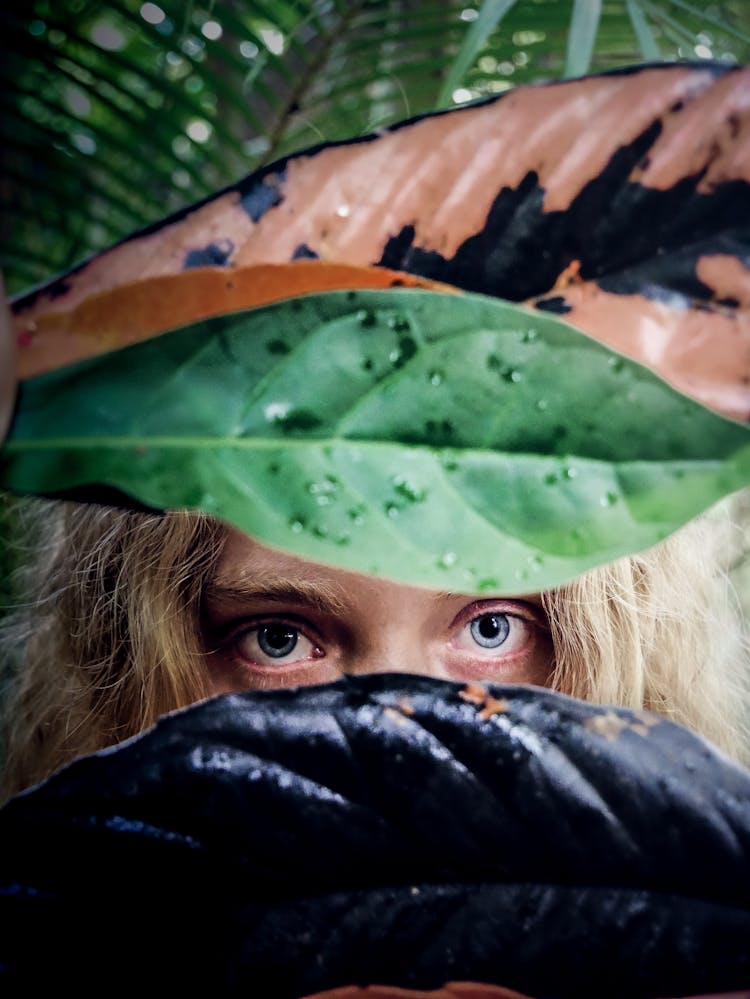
x=114 y=114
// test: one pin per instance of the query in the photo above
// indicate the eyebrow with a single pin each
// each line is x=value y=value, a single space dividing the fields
x=324 y=597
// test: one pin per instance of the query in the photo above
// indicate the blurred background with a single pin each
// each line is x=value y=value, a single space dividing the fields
x=116 y=114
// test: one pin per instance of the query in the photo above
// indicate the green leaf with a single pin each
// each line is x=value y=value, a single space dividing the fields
x=709 y=17
x=490 y=15
x=643 y=32
x=584 y=25
x=451 y=441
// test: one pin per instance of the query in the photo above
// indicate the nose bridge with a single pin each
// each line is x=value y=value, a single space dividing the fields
x=391 y=650
x=390 y=631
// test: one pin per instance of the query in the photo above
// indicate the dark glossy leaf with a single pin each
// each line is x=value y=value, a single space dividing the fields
x=451 y=441
x=620 y=201
x=451 y=990
x=386 y=829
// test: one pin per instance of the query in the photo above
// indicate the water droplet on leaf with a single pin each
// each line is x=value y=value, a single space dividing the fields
x=407 y=348
x=357 y=514
x=399 y=323
x=366 y=318
x=407 y=491
x=291 y=419
x=277 y=410
x=325 y=490
x=447 y=559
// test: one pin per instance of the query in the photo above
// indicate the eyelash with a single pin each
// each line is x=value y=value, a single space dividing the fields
x=301 y=627
x=513 y=642
x=469 y=616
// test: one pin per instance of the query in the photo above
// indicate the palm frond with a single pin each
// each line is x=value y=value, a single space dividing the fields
x=115 y=114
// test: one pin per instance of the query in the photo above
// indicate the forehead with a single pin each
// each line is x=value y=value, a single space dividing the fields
x=246 y=562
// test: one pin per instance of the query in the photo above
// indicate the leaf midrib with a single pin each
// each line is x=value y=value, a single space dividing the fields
x=267 y=443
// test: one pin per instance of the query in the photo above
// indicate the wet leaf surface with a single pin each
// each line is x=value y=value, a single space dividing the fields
x=449 y=441
x=287 y=842
x=621 y=201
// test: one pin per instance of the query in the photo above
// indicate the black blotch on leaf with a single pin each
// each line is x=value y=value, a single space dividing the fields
x=212 y=255
x=54 y=290
x=555 y=303
x=303 y=252
x=58 y=288
x=630 y=238
x=262 y=194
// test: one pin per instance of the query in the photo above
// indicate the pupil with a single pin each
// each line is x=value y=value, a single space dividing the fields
x=490 y=630
x=277 y=639
x=489 y=627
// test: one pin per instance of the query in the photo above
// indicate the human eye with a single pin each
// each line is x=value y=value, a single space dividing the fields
x=275 y=643
x=500 y=640
x=493 y=633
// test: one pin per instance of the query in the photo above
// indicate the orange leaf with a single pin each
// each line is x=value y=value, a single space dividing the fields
x=140 y=309
x=618 y=200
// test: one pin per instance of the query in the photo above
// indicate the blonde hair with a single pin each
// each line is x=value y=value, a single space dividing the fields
x=109 y=638
x=663 y=631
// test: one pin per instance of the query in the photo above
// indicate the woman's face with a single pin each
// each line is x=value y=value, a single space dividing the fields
x=273 y=620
